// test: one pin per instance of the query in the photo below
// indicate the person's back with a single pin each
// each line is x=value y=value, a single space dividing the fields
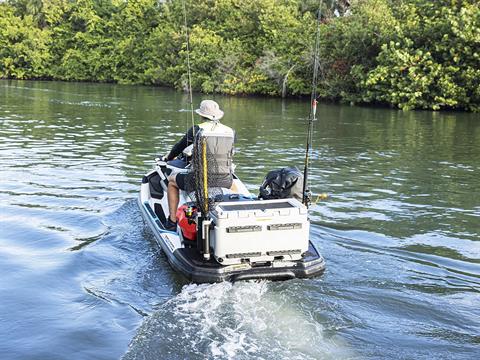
x=216 y=127
x=218 y=140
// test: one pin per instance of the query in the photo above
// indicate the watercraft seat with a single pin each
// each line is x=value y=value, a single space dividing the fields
x=226 y=195
x=177 y=163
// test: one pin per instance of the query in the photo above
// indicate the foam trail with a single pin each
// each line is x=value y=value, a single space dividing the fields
x=242 y=321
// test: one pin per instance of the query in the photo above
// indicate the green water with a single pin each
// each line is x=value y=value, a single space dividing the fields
x=82 y=277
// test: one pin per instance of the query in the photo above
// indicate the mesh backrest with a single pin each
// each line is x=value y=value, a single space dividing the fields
x=211 y=160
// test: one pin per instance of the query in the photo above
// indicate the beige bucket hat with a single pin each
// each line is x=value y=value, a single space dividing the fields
x=209 y=109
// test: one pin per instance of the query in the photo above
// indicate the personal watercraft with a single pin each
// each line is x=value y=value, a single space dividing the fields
x=230 y=234
x=242 y=237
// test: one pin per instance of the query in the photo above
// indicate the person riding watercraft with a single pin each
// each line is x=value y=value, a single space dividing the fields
x=211 y=114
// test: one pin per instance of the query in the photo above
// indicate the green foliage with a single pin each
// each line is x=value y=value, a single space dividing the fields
x=434 y=61
x=24 y=48
x=236 y=47
x=350 y=44
x=410 y=54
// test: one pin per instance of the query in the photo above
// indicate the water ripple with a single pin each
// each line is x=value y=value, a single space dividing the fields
x=82 y=276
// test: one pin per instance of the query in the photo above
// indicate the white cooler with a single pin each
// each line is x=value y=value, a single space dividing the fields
x=259 y=231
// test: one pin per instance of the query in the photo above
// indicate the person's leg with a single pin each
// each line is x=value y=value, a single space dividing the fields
x=173 y=197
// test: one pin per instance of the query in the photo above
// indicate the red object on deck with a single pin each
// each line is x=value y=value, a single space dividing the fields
x=185 y=218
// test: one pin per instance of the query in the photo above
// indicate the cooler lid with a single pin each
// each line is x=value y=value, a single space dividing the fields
x=256 y=206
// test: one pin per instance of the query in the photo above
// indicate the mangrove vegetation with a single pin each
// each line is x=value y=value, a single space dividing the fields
x=412 y=54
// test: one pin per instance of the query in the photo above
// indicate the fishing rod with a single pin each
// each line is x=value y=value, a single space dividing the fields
x=313 y=111
x=203 y=219
x=189 y=71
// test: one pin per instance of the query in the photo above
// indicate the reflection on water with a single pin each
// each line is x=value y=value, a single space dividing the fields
x=82 y=277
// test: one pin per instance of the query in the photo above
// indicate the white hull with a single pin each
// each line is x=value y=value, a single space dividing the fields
x=276 y=247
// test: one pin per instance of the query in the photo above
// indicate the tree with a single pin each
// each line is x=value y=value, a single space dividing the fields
x=434 y=60
x=410 y=54
x=24 y=48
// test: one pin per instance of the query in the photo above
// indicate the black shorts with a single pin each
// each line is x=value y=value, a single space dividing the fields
x=184 y=181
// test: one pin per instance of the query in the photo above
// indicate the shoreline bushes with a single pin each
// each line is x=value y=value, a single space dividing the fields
x=409 y=54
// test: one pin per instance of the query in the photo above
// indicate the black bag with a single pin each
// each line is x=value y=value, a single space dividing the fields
x=281 y=184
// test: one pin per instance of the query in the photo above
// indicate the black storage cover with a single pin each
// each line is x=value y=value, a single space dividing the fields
x=282 y=183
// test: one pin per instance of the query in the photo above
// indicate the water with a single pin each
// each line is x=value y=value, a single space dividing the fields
x=82 y=278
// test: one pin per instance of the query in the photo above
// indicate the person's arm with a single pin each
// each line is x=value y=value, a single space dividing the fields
x=186 y=140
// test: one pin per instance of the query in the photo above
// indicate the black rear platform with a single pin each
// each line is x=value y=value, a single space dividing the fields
x=190 y=263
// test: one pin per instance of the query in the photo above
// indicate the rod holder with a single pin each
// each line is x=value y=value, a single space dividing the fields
x=206 y=238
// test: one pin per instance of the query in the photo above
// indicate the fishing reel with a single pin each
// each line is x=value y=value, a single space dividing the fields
x=191 y=214
x=307 y=198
